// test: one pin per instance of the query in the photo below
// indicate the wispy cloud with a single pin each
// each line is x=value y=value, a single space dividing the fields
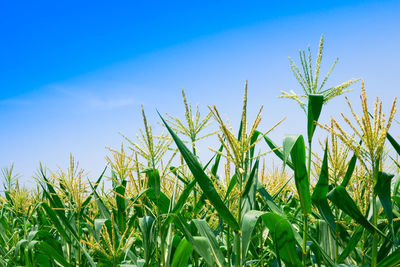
x=101 y=98
x=112 y=103
x=82 y=96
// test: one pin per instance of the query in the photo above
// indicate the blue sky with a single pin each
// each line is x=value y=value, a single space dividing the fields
x=74 y=74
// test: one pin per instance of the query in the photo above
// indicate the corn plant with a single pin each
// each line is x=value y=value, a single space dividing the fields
x=158 y=202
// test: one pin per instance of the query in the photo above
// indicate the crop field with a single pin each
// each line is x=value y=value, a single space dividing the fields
x=330 y=201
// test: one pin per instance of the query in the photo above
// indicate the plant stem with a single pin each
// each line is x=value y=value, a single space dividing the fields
x=228 y=240
x=374 y=255
x=195 y=256
x=228 y=247
x=305 y=216
x=239 y=219
x=69 y=253
x=337 y=236
x=79 y=235
x=364 y=238
x=304 y=239
x=162 y=248
x=237 y=244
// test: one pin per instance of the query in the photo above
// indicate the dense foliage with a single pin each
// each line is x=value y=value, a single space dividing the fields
x=165 y=207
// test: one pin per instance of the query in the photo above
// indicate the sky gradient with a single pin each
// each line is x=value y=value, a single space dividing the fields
x=74 y=74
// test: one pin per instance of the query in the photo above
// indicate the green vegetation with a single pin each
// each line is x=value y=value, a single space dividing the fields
x=166 y=208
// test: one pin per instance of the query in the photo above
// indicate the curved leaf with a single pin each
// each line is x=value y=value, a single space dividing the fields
x=315 y=102
x=249 y=221
x=182 y=254
x=350 y=170
x=395 y=145
x=206 y=232
x=382 y=189
x=282 y=235
x=294 y=145
x=203 y=180
x=278 y=152
x=392 y=260
x=343 y=201
x=321 y=190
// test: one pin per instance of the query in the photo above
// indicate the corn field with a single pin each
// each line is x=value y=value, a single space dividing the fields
x=166 y=207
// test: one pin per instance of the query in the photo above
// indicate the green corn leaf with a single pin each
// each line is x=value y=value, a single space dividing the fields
x=204 y=249
x=282 y=235
x=56 y=222
x=200 y=204
x=253 y=139
x=153 y=180
x=249 y=221
x=396 y=200
x=396 y=185
x=176 y=172
x=121 y=205
x=98 y=225
x=249 y=193
x=343 y=201
x=183 y=196
x=326 y=238
x=387 y=244
x=179 y=204
x=105 y=213
x=89 y=197
x=395 y=145
x=215 y=166
x=182 y=254
x=321 y=252
x=269 y=200
x=203 y=180
x=66 y=224
x=163 y=202
x=146 y=225
x=315 y=102
x=41 y=260
x=321 y=190
x=136 y=198
x=351 y=245
x=280 y=230
x=349 y=171
x=278 y=152
x=232 y=183
x=275 y=208
x=392 y=260
x=382 y=189
x=205 y=231
x=294 y=145
x=52 y=195
x=51 y=252
x=250 y=180
x=199 y=243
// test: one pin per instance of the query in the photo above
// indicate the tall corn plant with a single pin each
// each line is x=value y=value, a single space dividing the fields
x=311 y=102
x=156 y=214
x=239 y=151
x=369 y=151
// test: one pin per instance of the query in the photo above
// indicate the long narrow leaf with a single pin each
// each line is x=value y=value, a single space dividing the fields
x=315 y=103
x=321 y=190
x=294 y=145
x=203 y=180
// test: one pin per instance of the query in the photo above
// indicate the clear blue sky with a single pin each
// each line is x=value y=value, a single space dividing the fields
x=74 y=73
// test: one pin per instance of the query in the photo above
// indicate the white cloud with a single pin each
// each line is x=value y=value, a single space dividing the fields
x=99 y=98
x=110 y=103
